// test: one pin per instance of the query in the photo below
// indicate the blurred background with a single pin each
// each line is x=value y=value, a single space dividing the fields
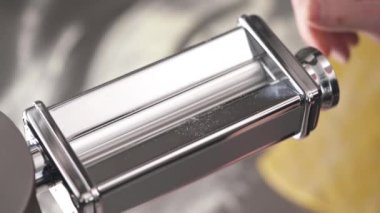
x=51 y=50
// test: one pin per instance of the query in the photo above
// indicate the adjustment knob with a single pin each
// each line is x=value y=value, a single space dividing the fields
x=321 y=71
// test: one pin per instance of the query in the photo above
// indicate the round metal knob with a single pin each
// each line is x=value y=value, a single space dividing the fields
x=17 y=175
x=321 y=71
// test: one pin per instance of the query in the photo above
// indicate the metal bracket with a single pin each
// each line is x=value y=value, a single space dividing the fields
x=63 y=157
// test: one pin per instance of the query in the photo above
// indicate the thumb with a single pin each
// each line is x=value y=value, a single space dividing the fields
x=345 y=15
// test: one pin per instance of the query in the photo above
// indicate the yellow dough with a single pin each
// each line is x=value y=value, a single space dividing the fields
x=337 y=168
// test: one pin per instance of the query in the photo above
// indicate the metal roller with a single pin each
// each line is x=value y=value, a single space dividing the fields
x=162 y=126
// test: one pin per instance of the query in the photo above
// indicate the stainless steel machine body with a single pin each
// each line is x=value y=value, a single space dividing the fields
x=172 y=122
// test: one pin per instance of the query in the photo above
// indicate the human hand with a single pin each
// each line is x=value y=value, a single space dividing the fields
x=332 y=25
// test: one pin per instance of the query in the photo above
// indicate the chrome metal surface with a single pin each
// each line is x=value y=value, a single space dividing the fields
x=63 y=158
x=153 y=84
x=287 y=104
x=165 y=125
x=320 y=69
x=301 y=81
x=123 y=113
x=135 y=127
x=55 y=198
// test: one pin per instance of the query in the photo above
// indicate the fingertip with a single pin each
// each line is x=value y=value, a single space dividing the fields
x=339 y=44
x=355 y=39
x=352 y=39
x=341 y=53
x=326 y=50
x=340 y=56
x=321 y=40
x=340 y=47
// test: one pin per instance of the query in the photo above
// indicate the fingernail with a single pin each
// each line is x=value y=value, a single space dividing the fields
x=355 y=41
x=326 y=51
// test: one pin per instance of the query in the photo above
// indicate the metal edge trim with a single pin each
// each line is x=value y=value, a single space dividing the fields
x=62 y=156
x=309 y=91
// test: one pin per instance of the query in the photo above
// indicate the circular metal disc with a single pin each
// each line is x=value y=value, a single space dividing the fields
x=16 y=169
